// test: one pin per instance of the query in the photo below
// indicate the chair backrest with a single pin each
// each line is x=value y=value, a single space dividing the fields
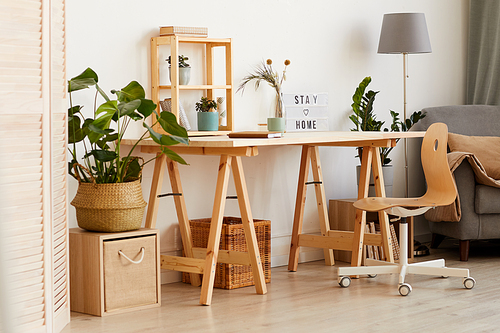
x=441 y=189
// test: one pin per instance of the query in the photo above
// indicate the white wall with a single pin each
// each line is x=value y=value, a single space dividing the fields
x=332 y=46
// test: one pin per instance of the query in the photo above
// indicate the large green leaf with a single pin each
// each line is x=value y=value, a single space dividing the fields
x=86 y=79
x=75 y=132
x=106 y=111
x=161 y=139
x=127 y=108
x=133 y=169
x=147 y=107
x=73 y=110
x=96 y=129
x=169 y=124
x=104 y=155
x=110 y=107
x=173 y=155
x=132 y=91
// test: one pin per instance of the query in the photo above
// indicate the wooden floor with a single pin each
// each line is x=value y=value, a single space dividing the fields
x=310 y=300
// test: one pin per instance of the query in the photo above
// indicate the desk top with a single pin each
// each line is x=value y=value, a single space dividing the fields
x=341 y=138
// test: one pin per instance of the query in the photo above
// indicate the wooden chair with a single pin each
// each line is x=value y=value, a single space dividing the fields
x=441 y=191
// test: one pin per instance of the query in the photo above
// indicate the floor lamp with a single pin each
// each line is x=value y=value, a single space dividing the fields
x=404 y=33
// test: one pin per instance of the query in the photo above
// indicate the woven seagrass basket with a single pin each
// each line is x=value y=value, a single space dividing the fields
x=232 y=276
x=114 y=207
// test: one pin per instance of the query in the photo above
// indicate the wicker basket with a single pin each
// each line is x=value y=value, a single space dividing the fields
x=113 y=207
x=230 y=276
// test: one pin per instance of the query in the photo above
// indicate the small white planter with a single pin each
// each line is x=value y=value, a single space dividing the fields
x=184 y=75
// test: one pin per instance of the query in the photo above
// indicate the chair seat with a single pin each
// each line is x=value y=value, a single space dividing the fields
x=406 y=206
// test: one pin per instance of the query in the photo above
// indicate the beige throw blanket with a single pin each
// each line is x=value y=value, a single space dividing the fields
x=486 y=149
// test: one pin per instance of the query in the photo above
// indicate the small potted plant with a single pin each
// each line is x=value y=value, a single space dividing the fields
x=267 y=74
x=109 y=196
x=184 y=69
x=208 y=117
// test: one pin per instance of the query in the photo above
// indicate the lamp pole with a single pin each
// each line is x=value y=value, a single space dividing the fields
x=405 y=54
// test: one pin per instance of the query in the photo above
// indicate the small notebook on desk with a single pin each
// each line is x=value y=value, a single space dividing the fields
x=255 y=134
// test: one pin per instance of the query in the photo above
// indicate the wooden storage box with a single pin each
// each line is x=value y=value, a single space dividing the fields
x=114 y=272
x=231 y=276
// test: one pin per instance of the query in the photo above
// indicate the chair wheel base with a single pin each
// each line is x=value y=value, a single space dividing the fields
x=344 y=281
x=404 y=289
x=469 y=282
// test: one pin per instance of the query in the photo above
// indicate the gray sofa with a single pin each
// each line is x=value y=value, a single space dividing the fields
x=480 y=203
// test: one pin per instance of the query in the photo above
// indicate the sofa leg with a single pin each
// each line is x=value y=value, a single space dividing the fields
x=436 y=240
x=464 y=250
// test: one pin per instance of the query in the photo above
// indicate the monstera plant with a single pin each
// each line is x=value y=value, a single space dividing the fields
x=109 y=196
x=101 y=134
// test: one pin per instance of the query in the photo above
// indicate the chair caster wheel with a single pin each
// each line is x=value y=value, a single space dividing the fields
x=469 y=282
x=372 y=276
x=404 y=289
x=344 y=281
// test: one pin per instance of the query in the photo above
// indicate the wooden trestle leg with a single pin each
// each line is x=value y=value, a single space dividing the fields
x=298 y=217
x=248 y=226
x=383 y=219
x=182 y=217
x=310 y=155
x=215 y=230
x=360 y=222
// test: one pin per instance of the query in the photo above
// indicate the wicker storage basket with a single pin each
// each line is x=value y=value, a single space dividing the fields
x=113 y=207
x=229 y=276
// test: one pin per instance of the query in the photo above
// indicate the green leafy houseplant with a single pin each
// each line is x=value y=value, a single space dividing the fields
x=206 y=105
x=101 y=134
x=364 y=117
x=267 y=74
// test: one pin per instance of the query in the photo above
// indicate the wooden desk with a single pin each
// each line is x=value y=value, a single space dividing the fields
x=230 y=152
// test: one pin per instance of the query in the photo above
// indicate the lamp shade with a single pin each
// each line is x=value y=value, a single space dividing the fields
x=404 y=33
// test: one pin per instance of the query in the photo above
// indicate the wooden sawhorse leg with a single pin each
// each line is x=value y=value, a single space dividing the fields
x=180 y=205
x=310 y=155
x=331 y=239
x=193 y=262
x=370 y=159
x=216 y=227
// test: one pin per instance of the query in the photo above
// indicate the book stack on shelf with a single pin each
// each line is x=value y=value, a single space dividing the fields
x=377 y=252
x=184 y=31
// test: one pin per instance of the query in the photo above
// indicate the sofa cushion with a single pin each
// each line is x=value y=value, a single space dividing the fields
x=487 y=200
x=485 y=148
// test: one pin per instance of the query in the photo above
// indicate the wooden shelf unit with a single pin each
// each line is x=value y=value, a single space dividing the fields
x=209 y=87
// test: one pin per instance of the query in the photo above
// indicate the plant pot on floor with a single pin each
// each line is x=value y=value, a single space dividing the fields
x=184 y=75
x=113 y=207
x=208 y=121
x=388 y=174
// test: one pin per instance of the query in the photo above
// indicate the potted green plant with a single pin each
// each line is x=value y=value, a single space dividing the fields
x=109 y=196
x=267 y=74
x=208 y=117
x=364 y=119
x=184 y=70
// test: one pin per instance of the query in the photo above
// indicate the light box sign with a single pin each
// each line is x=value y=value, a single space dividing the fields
x=306 y=112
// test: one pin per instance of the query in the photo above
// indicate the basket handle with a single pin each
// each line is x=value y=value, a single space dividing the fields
x=132 y=261
x=77 y=174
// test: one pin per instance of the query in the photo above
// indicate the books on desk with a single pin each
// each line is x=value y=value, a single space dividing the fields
x=255 y=134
